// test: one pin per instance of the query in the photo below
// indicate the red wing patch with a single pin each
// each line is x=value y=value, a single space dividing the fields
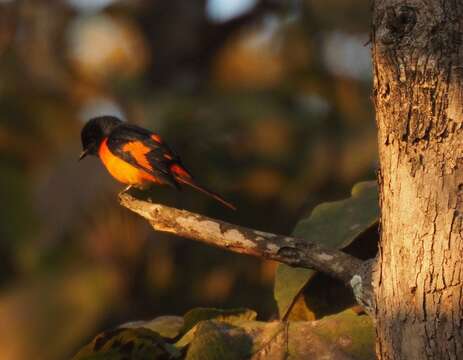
x=156 y=138
x=138 y=150
x=179 y=171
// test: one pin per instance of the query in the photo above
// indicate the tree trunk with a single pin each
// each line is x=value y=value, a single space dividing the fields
x=418 y=94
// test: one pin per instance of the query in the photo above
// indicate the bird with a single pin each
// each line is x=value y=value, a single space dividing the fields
x=136 y=156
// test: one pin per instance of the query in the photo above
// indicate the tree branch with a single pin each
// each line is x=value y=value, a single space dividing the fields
x=285 y=249
x=288 y=250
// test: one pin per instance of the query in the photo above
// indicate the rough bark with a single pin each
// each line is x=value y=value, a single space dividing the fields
x=418 y=94
x=292 y=251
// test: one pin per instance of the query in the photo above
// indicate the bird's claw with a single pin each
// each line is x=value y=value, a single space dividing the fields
x=125 y=190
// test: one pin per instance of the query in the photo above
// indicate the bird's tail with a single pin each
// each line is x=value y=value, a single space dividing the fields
x=190 y=182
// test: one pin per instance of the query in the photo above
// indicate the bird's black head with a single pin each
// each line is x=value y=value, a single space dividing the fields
x=94 y=132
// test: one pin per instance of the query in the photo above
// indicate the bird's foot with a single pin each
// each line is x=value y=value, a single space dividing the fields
x=125 y=190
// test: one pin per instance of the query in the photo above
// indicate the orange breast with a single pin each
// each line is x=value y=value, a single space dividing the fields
x=122 y=170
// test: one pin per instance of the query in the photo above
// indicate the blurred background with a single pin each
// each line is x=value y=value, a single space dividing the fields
x=267 y=101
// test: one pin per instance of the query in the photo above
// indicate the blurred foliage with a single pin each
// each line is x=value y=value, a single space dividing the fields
x=270 y=108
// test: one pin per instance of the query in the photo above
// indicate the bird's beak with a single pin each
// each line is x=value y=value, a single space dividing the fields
x=83 y=154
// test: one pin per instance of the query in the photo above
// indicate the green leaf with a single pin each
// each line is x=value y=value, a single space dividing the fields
x=196 y=316
x=168 y=327
x=289 y=282
x=231 y=316
x=334 y=224
x=215 y=340
x=342 y=336
x=128 y=343
x=350 y=332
